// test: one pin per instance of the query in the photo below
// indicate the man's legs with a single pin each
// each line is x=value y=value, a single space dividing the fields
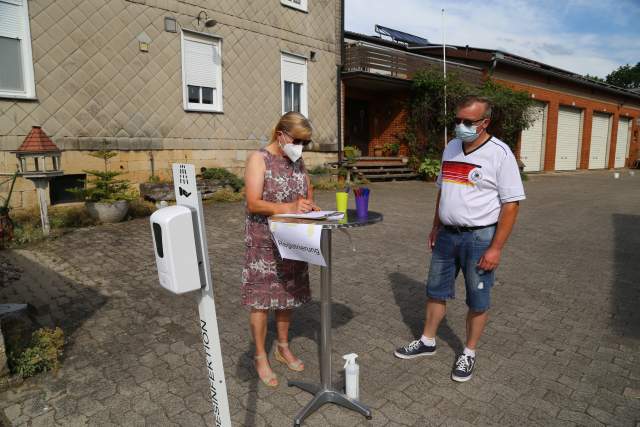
x=478 y=284
x=440 y=287
x=476 y=321
x=434 y=313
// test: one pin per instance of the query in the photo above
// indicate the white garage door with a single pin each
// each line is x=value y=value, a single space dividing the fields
x=568 y=139
x=599 y=136
x=532 y=141
x=622 y=142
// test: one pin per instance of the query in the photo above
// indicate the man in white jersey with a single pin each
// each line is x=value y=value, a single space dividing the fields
x=476 y=208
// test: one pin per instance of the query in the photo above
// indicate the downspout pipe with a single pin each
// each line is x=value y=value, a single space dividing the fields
x=339 y=85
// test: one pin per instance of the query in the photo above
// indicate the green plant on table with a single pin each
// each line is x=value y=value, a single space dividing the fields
x=42 y=355
x=429 y=168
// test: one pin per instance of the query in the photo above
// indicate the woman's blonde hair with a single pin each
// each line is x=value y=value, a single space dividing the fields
x=295 y=124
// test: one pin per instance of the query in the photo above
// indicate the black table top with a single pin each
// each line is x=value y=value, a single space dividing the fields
x=350 y=220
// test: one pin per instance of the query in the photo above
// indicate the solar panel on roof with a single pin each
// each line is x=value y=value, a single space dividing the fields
x=400 y=36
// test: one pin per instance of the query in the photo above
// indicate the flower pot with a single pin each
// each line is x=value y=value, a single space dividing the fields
x=377 y=152
x=108 y=213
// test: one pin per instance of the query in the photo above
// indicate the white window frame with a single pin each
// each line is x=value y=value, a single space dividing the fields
x=304 y=91
x=302 y=5
x=29 y=91
x=215 y=41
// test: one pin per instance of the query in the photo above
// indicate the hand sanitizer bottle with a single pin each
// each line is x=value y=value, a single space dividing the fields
x=351 y=376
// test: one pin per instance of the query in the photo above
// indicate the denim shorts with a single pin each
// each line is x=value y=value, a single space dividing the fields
x=455 y=251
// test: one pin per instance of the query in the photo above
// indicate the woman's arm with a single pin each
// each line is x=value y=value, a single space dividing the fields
x=254 y=183
x=310 y=193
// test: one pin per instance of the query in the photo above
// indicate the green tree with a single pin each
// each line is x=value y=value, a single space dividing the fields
x=626 y=76
x=426 y=108
x=511 y=111
x=511 y=114
x=596 y=78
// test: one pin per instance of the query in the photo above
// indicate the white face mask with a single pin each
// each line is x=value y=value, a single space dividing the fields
x=467 y=134
x=293 y=151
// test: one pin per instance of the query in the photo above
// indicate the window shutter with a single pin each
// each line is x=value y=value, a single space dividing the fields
x=294 y=69
x=11 y=19
x=201 y=63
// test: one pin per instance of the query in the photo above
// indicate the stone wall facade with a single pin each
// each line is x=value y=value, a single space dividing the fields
x=95 y=88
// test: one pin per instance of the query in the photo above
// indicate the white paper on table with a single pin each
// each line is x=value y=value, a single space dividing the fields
x=298 y=241
x=335 y=215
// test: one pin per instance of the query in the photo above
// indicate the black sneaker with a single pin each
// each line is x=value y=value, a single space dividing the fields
x=463 y=369
x=415 y=349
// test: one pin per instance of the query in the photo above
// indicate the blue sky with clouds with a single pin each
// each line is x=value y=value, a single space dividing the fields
x=583 y=36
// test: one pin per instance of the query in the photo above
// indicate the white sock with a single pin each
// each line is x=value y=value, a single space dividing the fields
x=429 y=342
x=468 y=352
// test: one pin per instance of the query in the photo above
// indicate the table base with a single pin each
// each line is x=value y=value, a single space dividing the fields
x=322 y=396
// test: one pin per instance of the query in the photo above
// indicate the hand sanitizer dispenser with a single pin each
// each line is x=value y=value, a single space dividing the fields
x=175 y=249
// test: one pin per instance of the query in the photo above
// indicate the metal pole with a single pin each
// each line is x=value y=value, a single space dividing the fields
x=444 y=71
x=325 y=311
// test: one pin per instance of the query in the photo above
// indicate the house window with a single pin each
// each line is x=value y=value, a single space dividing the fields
x=16 y=66
x=296 y=4
x=201 y=72
x=292 y=96
x=294 y=84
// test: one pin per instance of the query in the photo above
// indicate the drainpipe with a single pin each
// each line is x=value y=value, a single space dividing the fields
x=494 y=63
x=339 y=84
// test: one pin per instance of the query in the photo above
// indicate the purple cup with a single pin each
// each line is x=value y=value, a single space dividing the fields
x=362 y=206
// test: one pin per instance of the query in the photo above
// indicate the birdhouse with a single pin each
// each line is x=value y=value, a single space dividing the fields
x=38 y=156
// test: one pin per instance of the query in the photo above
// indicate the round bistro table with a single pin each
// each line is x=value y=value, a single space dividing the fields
x=324 y=392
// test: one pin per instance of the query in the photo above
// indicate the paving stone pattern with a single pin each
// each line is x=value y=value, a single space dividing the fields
x=561 y=347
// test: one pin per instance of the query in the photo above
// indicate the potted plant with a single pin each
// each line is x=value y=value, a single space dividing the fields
x=107 y=198
x=351 y=154
x=378 y=151
x=391 y=149
x=429 y=169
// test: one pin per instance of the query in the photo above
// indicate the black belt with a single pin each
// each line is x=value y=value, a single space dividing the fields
x=462 y=229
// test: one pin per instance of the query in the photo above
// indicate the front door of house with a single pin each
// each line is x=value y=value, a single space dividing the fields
x=357 y=124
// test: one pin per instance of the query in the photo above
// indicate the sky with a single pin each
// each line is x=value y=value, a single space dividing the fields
x=583 y=36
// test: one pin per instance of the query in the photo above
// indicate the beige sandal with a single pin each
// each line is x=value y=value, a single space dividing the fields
x=270 y=380
x=296 y=365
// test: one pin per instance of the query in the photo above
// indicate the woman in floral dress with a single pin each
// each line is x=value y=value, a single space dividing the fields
x=276 y=182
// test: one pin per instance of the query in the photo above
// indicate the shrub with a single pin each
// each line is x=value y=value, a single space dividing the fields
x=429 y=168
x=41 y=356
x=140 y=208
x=70 y=217
x=226 y=195
x=155 y=179
x=24 y=234
x=225 y=177
x=319 y=170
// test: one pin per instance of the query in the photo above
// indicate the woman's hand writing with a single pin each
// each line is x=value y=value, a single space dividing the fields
x=302 y=206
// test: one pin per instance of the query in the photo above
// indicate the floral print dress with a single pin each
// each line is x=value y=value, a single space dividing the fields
x=269 y=281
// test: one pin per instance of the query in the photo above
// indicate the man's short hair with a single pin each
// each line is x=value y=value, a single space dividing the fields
x=469 y=100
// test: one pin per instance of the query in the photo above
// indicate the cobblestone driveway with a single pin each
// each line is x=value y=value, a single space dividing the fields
x=561 y=347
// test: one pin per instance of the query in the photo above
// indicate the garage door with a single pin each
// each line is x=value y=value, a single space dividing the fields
x=622 y=142
x=532 y=141
x=568 y=139
x=599 y=137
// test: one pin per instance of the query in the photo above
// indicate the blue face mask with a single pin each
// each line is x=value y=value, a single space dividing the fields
x=466 y=133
